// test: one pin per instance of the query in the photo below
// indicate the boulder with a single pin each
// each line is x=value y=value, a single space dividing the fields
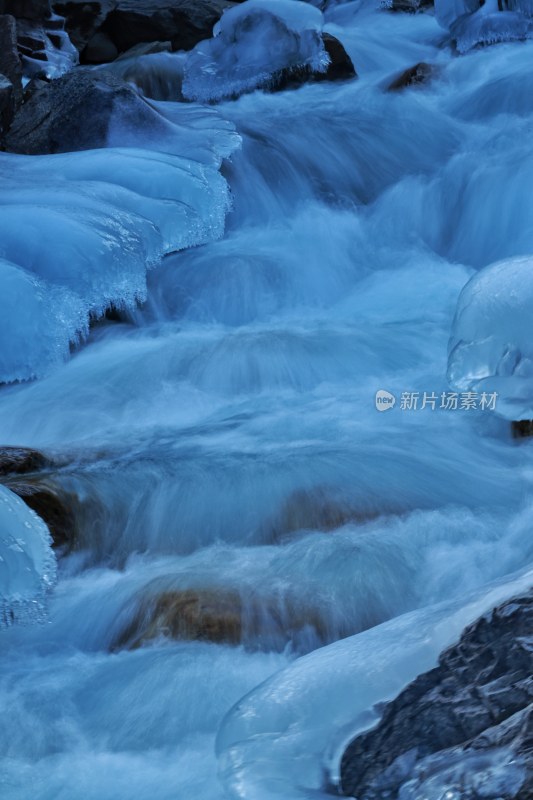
x=450 y=724
x=100 y=49
x=10 y=65
x=51 y=504
x=414 y=76
x=182 y=22
x=76 y=112
x=35 y=10
x=411 y=6
x=7 y=104
x=21 y=461
x=522 y=428
x=83 y=18
x=340 y=68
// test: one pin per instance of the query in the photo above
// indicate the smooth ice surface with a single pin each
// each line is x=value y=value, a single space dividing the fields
x=491 y=346
x=27 y=563
x=251 y=44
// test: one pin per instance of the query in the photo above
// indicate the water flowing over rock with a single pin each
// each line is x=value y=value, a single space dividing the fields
x=462 y=729
x=20 y=461
x=196 y=319
x=414 y=76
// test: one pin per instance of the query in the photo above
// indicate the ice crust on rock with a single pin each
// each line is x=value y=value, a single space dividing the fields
x=472 y=24
x=102 y=219
x=27 y=562
x=252 y=44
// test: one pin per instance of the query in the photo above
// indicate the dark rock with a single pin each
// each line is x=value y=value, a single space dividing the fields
x=522 y=428
x=420 y=73
x=7 y=104
x=52 y=505
x=182 y=22
x=83 y=18
x=100 y=50
x=341 y=67
x=477 y=699
x=76 y=111
x=36 y=10
x=411 y=6
x=21 y=461
x=10 y=65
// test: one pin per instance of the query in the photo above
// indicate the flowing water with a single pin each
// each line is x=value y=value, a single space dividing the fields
x=224 y=437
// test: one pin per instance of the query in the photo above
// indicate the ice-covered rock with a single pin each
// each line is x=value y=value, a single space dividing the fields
x=27 y=563
x=102 y=218
x=462 y=730
x=491 y=346
x=77 y=111
x=472 y=23
x=253 y=45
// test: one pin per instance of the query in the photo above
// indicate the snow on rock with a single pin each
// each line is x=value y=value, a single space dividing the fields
x=252 y=44
x=491 y=346
x=27 y=563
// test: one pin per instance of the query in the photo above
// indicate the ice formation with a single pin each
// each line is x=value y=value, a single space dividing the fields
x=472 y=23
x=252 y=44
x=27 y=562
x=85 y=242
x=491 y=346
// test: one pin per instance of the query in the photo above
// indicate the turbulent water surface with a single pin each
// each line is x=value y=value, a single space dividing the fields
x=224 y=435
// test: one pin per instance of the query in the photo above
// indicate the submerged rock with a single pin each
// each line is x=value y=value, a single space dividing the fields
x=76 y=112
x=219 y=615
x=414 y=76
x=464 y=727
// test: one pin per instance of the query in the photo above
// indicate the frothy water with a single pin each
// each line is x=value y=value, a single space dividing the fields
x=224 y=435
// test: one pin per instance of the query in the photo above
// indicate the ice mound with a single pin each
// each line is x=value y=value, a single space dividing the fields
x=85 y=240
x=27 y=562
x=252 y=44
x=472 y=23
x=491 y=346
